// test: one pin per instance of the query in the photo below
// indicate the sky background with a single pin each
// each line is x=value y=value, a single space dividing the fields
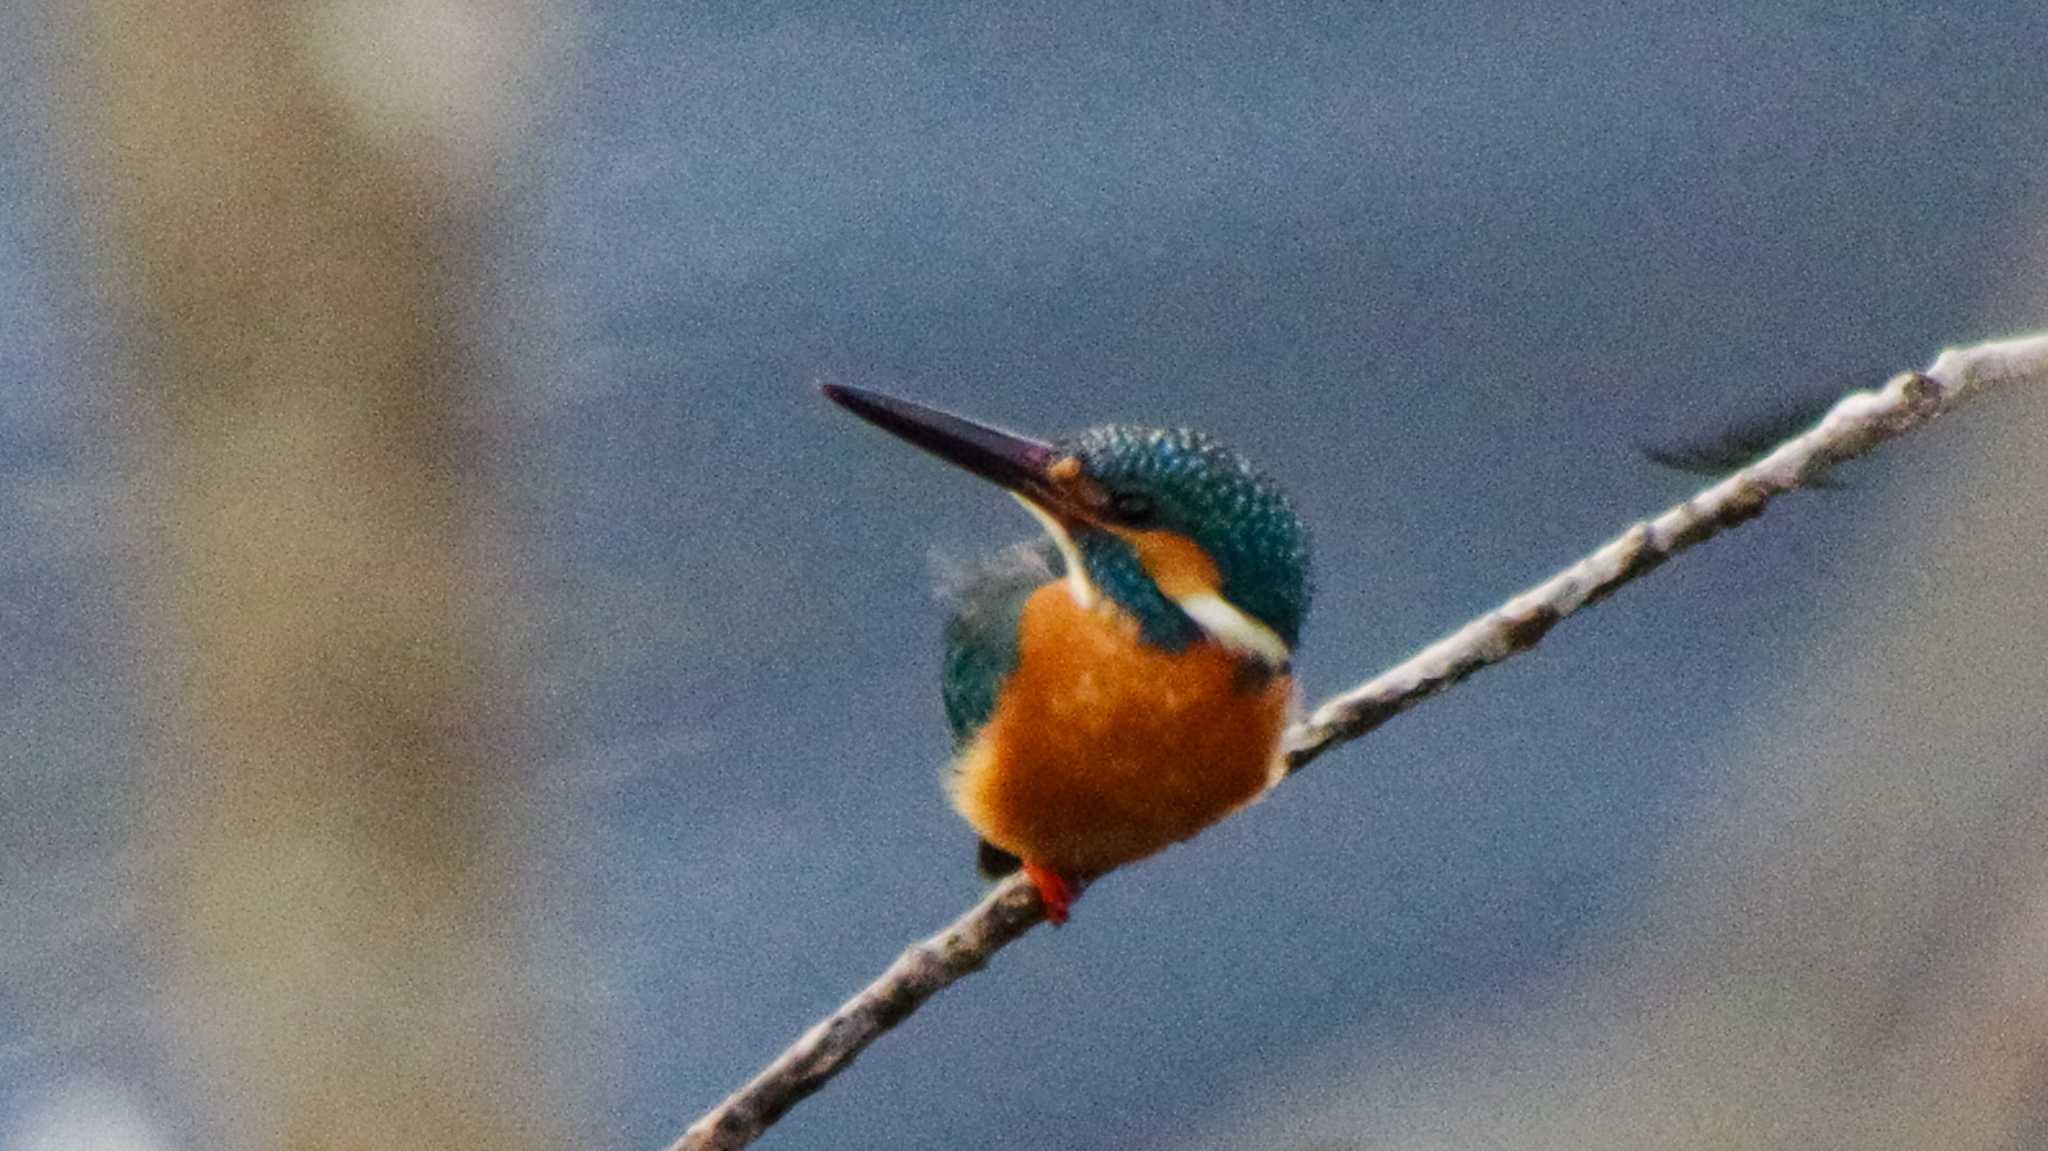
x=1443 y=271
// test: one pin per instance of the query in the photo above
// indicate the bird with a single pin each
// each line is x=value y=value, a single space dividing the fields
x=1125 y=681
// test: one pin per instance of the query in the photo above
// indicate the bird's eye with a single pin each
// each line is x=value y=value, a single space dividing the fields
x=1134 y=508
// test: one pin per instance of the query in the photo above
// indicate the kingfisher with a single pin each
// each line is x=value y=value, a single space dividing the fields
x=1123 y=682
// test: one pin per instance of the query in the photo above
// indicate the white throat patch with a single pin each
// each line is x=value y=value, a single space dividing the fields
x=1084 y=593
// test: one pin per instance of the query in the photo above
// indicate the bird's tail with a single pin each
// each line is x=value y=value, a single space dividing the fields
x=993 y=862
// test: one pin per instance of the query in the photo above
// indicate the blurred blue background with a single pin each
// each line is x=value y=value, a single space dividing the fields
x=1443 y=270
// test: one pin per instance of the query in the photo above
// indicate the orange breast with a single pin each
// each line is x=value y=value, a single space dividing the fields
x=1104 y=750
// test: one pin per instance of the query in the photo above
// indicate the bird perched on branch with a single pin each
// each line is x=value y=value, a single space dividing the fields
x=1124 y=683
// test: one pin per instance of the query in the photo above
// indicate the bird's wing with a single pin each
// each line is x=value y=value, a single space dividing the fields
x=981 y=632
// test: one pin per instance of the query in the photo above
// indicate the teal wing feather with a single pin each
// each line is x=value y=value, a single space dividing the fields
x=981 y=633
x=981 y=649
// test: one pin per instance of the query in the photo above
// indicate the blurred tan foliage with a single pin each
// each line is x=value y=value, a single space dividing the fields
x=287 y=196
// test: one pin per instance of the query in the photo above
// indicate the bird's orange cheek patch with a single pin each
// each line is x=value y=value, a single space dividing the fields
x=1174 y=562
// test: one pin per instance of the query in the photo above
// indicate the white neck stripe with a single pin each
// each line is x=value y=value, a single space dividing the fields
x=1225 y=622
x=1231 y=627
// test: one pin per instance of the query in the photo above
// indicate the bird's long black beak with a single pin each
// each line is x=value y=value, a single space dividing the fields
x=1031 y=468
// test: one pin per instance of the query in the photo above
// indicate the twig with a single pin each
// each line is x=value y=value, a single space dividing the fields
x=1860 y=422
x=1857 y=423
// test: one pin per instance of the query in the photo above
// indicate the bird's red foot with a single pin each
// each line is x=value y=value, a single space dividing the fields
x=1053 y=891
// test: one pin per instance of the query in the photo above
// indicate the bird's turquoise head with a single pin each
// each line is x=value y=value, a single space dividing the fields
x=1178 y=530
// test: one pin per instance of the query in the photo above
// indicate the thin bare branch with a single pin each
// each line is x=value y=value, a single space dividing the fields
x=1857 y=423
x=1860 y=422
